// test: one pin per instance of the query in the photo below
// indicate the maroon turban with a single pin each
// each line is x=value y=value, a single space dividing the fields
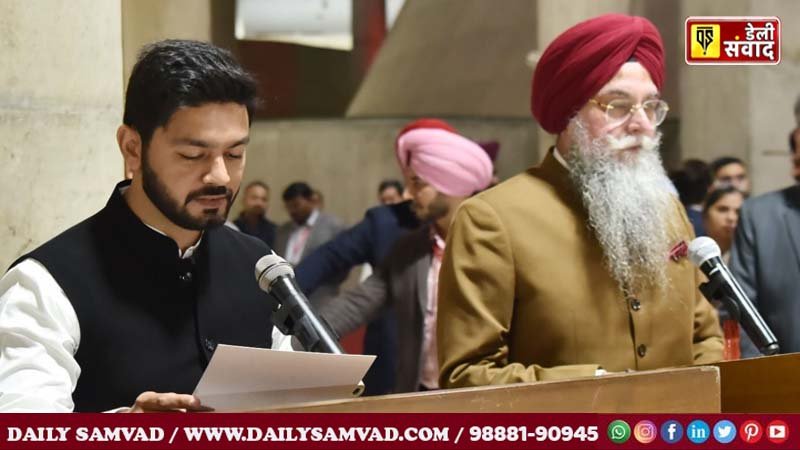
x=580 y=61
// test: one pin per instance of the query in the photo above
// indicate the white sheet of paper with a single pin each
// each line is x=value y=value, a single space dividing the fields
x=246 y=378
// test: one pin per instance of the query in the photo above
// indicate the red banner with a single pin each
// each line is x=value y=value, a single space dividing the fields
x=396 y=431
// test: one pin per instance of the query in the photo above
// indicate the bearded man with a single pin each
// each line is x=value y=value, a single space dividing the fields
x=127 y=307
x=441 y=169
x=576 y=267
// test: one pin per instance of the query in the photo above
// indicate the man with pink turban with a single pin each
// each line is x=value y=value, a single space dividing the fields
x=575 y=267
x=441 y=169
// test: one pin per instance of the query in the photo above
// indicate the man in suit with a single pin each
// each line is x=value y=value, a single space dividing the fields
x=441 y=169
x=253 y=218
x=308 y=229
x=578 y=266
x=365 y=242
x=765 y=259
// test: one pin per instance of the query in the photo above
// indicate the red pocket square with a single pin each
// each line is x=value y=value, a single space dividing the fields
x=680 y=250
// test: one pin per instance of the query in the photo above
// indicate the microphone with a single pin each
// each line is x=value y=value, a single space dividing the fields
x=705 y=254
x=294 y=315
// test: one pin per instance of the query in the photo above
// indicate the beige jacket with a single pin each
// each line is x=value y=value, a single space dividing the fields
x=524 y=294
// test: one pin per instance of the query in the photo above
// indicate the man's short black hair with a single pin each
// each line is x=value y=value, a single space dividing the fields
x=386 y=184
x=792 y=143
x=176 y=73
x=297 y=189
x=692 y=181
x=719 y=163
x=258 y=183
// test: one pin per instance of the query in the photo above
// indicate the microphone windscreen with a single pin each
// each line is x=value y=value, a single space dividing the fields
x=702 y=249
x=269 y=268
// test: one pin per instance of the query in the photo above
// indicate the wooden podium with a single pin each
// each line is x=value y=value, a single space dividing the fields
x=684 y=390
x=770 y=384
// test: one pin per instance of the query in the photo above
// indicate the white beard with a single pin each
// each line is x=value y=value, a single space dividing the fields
x=628 y=204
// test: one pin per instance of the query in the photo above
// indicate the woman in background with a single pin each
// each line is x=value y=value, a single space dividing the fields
x=720 y=217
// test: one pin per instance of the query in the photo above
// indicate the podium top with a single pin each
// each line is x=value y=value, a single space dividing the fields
x=682 y=390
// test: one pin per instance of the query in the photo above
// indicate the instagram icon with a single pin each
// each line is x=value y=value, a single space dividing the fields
x=645 y=432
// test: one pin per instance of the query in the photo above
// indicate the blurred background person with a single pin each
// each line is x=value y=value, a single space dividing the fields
x=730 y=171
x=308 y=229
x=692 y=182
x=390 y=192
x=721 y=215
x=765 y=260
x=253 y=218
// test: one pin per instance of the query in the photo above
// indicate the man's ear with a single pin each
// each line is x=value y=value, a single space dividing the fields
x=130 y=145
x=564 y=141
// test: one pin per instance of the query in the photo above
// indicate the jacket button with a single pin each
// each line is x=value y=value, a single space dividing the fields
x=210 y=345
x=185 y=277
x=636 y=304
x=641 y=350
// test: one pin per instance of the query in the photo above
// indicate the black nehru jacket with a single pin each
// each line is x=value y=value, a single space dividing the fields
x=149 y=320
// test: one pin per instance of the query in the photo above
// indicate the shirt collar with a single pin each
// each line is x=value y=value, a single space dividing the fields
x=312 y=219
x=560 y=158
x=436 y=239
x=188 y=252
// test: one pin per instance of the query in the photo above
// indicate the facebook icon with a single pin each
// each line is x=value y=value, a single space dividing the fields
x=671 y=431
x=698 y=432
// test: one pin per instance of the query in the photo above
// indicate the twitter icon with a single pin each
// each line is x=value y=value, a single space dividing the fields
x=724 y=432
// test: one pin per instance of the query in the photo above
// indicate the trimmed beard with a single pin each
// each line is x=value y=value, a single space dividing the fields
x=628 y=202
x=437 y=209
x=156 y=191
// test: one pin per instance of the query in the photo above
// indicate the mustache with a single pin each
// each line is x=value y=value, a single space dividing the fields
x=210 y=191
x=627 y=141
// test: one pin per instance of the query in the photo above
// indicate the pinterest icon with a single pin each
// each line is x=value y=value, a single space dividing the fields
x=751 y=431
x=645 y=432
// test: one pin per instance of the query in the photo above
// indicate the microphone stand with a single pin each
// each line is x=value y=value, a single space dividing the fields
x=296 y=318
x=714 y=290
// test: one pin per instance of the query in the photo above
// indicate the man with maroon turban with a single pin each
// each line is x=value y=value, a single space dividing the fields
x=574 y=267
x=441 y=169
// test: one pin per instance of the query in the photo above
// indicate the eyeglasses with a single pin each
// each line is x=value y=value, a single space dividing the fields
x=618 y=111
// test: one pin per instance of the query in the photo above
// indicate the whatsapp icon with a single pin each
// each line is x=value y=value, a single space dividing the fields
x=619 y=431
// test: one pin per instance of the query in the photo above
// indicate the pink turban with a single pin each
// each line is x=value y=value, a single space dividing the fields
x=452 y=164
x=581 y=60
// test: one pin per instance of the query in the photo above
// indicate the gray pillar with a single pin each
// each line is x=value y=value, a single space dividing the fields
x=60 y=105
